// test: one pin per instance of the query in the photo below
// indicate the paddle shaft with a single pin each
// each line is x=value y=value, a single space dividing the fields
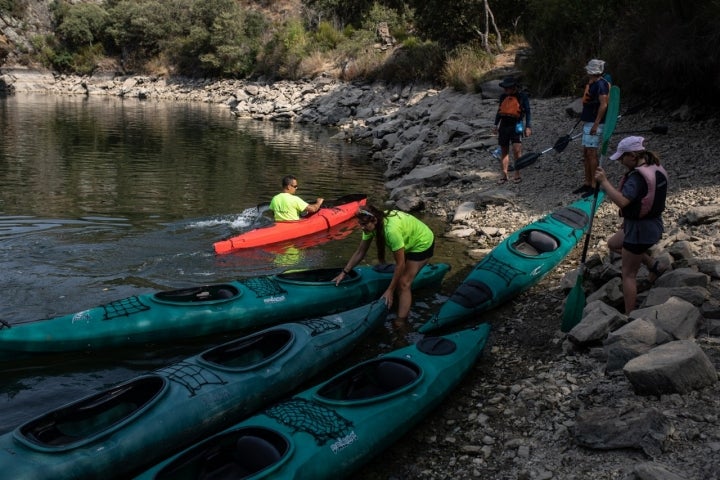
x=529 y=158
x=575 y=302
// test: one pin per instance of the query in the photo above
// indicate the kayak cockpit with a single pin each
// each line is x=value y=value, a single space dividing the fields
x=326 y=275
x=88 y=419
x=534 y=243
x=371 y=380
x=316 y=275
x=250 y=352
x=235 y=454
x=204 y=294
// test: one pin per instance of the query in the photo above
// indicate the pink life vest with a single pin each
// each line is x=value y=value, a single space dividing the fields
x=653 y=203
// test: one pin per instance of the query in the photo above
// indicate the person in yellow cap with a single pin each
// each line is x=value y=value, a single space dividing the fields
x=641 y=199
x=287 y=206
x=411 y=242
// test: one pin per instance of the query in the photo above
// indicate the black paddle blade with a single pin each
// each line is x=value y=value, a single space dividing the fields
x=562 y=143
x=352 y=197
x=526 y=160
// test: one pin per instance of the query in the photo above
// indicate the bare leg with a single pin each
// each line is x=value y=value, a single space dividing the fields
x=630 y=266
x=404 y=288
x=591 y=163
x=517 y=153
x=504 y=161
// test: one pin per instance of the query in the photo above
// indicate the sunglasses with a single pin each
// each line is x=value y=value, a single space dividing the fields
x=293 y=186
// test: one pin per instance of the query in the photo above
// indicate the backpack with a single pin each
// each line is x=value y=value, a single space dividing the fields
x=510 y=107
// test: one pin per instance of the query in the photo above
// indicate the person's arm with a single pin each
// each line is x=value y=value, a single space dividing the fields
x=314 y=207
x=526 y=113
x=612 y=193
x=603 y=99
x=497 y=114
x=399 y=256
x=354 y=260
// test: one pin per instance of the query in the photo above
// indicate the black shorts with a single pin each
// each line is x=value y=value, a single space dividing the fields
x=420 y=256
x=636 y=248
x=507 y=133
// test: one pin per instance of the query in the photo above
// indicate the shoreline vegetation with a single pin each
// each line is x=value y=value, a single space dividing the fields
x=541 y=404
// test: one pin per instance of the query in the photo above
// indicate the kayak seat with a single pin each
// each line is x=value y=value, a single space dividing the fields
x=198 y=294
x=535 y=242
x=253 y=454
x=229 y=456
x=386 y=377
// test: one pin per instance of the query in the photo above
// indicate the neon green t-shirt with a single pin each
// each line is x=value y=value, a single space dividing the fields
x=287 y=207
x=402 y=230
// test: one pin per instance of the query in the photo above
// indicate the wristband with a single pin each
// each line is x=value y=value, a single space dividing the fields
x=345 y=272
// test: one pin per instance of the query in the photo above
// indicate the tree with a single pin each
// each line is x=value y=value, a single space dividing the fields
x=458 y=22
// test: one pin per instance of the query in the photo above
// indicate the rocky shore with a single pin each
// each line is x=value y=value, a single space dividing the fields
x=619 y=396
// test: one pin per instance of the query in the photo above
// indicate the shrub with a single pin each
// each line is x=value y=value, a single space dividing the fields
x=465 y=67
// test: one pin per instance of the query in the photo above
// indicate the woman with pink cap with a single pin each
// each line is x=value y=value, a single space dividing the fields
x=641 y=198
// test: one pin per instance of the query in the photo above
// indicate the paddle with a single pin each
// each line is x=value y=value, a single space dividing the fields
x=531 y=157
x=659 y=129
x=575 y=303
x=563 y=141
x=351 y=197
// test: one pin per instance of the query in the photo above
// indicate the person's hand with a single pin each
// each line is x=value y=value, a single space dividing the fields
x=600 y=176
x=495 y=130
x=388 y=298
x=527 y=131
x=593 y=130
x=339 y=278
x=319 y=201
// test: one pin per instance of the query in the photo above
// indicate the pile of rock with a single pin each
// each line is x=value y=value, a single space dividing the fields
x=640 y=388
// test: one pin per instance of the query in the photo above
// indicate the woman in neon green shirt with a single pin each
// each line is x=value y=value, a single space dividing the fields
x=412 y=243
x=286 y=206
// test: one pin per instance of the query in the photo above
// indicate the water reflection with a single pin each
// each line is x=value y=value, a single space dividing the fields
x=102 y=198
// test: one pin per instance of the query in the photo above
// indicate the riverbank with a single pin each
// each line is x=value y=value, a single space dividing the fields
x=516 y=416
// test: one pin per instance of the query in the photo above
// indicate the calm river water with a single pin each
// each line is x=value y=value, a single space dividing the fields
x=101 y=199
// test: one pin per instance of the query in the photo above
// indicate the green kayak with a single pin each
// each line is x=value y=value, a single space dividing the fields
x=330 y=430
x=121 y=431
x=194 y=312
x=516 y=264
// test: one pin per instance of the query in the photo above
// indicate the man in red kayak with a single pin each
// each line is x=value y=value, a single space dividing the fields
x=287 y=206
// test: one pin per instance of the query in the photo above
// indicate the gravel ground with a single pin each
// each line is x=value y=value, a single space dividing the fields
x=512 y=417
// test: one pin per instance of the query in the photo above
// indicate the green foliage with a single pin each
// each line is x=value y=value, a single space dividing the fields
x=378 y=13
x=673 y=45
x=138 y=28
x=414 y=61
x=465 y=68
x=81 y=25
x=13 y=8
x=326 y=37
x=564 y=35
x=450 y=23
x=282 y=55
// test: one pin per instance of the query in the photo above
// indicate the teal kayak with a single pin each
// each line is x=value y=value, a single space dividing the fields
x=331 y=429
x=204 y=310
x=516 y=264
x=130 y=426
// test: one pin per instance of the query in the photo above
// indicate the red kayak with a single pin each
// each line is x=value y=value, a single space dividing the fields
x=343 y=209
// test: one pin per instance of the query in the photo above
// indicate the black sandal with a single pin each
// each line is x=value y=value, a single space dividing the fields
x=655 y=271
